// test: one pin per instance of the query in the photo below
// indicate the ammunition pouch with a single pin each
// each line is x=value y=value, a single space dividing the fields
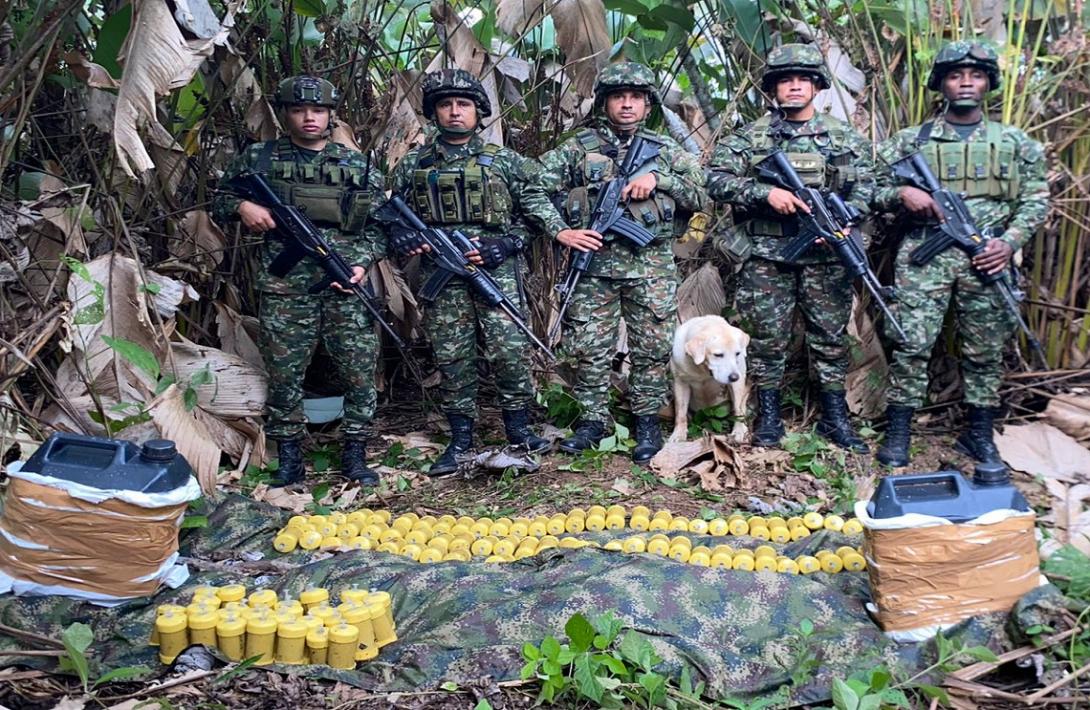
x=472 y=194
x=735 y=245
x=987 y=168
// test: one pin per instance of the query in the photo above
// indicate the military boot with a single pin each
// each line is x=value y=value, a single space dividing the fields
x=354 y=463
x=461 y=441
x=976 y=441
x=290 y=469
x=587 y=434
x=835 y=425
x=768 y=429
x=648 y=438
x=894 y=449
x=516 y=424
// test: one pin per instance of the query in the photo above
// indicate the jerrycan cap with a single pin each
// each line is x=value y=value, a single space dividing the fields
x=158 y=450
x=993 y=473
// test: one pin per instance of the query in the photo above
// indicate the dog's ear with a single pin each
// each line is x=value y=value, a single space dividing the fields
x=745 y=341
x=696 y=347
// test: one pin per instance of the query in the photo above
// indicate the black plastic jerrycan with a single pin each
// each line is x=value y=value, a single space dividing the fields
x=947 y=494
x=111 y=464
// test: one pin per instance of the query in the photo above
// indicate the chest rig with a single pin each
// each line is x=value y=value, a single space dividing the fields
x=600 y=164
x=978 y=168
x=469 y=193
x=826 y=166
x=331 y=191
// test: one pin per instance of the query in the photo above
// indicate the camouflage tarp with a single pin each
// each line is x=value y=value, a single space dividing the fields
x=465 y=621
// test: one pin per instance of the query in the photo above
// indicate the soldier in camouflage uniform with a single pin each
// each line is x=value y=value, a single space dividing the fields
x=640 y=285
x=828 y=154
x=456 y=181
x=1001 y=171
x=336 y=186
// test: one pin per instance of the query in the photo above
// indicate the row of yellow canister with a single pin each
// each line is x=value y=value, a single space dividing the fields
x=372 y=529
x=261 y=625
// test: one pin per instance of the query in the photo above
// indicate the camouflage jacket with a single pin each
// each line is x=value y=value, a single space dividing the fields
x=342 y=169
x=571 y=171
x=514 y=195
x=846 y=165
x=1016 y=202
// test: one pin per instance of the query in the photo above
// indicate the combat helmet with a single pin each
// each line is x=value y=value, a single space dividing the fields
x=625 y=75
x=310 y=90
x=454 y=82
x=795 y=59
x=964 y=53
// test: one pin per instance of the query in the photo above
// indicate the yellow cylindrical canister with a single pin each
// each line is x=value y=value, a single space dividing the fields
x=481 y=547
x=854 y=562
x=159 y=611
x=721 y=560
x=658 y=524
x=291 y=644
x=612 y=522
x=738 y=526
x=263 y=597
x=780 y=534
x=317 y=645
x=360 y=616
x=596 y=523
x=203 y=590
x=679 y=524
x=418 y=537
x=614 y=546
x=634 y=544
x=337 y=518
x=499 y=529
x=814 y=521
x=296 y=522
x=700 y=557
x=347 y=531
x=681 y=540
x=310 y=540
x=680 y=552
x=765 y=551
x=639 y=522
x=456 y=556
x=382 y=618
x=808 y=564
x=173 y=635
x=322 y=611
x=504 y=547
x=556 y=524
x=539 y=527
x=231 y=635
x=313 y=596
x=286 y=542
x=231 y=593
x=658 y=546
x=718 y=527
x=764 y=563
x=430 y=555
x=831 y=563
x=786 y=565
x=852 y=527
x=834 y=523
x=761 y=532
x=261 y=639
x=202 y=626
x=382 y=515
x=361 y=543
x=698 y=526
x=575 y=524
x=746 y=563
x=343 y=641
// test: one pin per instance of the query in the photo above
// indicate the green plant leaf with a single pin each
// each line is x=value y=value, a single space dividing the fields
x=628 y=7
x=981 y=653
x=135 y=354
x=550 y=647
x=580 y=632
x=585 y=680
x=308 y=8
x=110 y=38
x=123 y=673
x=880 y=678
x=806 y=627
x=932 y=691
x=448 y=685
x=76 y=639
x=194 y=521
x=655 y=685
x=615 y=665
x=483 y=704
x=844 y=698
x=529 y=670
x=870 y=702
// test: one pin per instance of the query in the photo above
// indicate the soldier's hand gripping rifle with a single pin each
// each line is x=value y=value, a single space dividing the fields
x=959 y=230
x=448 y=250
x=302 y=239
x=831 y=219
x=608 y=216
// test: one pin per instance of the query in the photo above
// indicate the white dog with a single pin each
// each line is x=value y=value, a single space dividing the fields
x=709 y=357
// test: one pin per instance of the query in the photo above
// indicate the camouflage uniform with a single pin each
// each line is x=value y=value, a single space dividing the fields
x=640 y=286
x=827 y=153
x=1001 y=172
x=481 y=190
x=337 y=186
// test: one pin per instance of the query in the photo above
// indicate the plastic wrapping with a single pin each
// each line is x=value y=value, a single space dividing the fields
x=61 y=537
x=927 y=573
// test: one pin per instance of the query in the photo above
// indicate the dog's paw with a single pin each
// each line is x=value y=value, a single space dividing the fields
x=739 y=433
x=678 y=437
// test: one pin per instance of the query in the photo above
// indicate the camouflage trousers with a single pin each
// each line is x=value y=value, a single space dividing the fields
x=984 y=327
x=455 y=322
x=649 y=308
x=768 y=294
x=291 y=328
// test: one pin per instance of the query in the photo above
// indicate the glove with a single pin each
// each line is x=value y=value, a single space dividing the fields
x=495 y=250
x=403 y=240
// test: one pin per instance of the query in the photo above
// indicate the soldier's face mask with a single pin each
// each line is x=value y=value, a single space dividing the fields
x=794 y=91
x=456 y=115
x=307 y=122
x=964 y=87
x=626 y=109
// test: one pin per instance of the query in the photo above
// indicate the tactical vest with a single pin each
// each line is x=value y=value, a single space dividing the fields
x=473 y=193
x=598 y=167
x=332 y=194
x=987 y=168
x=825 y=171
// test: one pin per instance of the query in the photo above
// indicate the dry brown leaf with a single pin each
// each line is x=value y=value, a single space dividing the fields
x=1071 y=513
x=390 y=286
x=465 y=52
x=403 y=129
x=414 y=440
x=709 y=473
x=580 y=33
x=1042 y=449
x=865 y=387
x=343 y=134
x=701 y=294
x=282 y=498
x=622 y=486
x=1070 y=413
x=202 y=241
x=235 y=332
x=94 y=75
x=676 y=455
x=190 y=436
x=156 y=59
x=237 y=388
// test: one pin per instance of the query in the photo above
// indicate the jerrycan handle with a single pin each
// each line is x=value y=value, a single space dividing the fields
x=55 y=444
x=947 y=485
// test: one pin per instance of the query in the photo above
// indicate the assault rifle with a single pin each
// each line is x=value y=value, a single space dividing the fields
x=608 y=216
x=448 y=250
x=959 y=230
x=831 y=219
x=302 y=239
